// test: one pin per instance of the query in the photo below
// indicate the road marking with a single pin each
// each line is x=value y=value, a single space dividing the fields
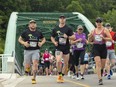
x=77 y=83
x=80 y=84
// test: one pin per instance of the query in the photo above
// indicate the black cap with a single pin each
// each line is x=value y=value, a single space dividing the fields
x=62 y=16
x=32 y=21
x=99 y=19
x=107 y=25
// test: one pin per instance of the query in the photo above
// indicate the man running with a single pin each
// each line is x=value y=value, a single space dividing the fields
x=60 y=38
x=110 y=61
x=30 y=39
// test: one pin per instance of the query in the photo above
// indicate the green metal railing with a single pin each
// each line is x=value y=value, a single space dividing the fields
x=46 y=22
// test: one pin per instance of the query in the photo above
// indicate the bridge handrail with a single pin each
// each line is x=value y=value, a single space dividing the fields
x=4 y=66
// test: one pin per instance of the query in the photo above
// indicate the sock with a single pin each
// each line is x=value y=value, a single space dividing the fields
x=77 y=75
x=60 y=73
x=101 y=72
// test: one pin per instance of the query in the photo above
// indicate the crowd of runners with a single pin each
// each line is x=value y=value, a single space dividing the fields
x=71 y=56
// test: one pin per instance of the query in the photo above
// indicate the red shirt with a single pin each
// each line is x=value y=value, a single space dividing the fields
x=114 y=38
x=46 y=56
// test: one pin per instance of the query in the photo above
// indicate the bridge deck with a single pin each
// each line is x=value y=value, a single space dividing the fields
x=50 y=81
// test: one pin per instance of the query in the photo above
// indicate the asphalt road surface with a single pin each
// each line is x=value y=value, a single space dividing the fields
x=50 y=81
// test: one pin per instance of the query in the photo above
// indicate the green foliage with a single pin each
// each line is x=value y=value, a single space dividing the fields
x=1 y=46
x=75 y=7
x=90 y=8
x=111 y=18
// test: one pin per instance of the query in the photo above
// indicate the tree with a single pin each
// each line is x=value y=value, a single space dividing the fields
x=90 y=8
x=110 y=17
x=75 y=7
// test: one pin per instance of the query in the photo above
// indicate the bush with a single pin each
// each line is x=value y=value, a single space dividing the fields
x=1 y=46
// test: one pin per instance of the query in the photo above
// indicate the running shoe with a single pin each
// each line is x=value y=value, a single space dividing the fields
x=100 y=82
x=59 y=78
x=27 y=69
x=62 y=79
x=82 y=77
x=77 y=78
x=74 y=77
x=109 y=77
x=33 y=81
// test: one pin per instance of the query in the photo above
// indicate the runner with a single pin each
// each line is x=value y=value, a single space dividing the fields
x=46 y=57
x=110 y=62
x=98 y=36
x=60 y=38
x=86 y=61
x=30 y=39
x=51 y=59
x=79 y=50
x=71 y=68
x=41 y=66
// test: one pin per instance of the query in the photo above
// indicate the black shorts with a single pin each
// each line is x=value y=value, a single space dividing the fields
x=41 y=65
x=79 y=54
x=100 y=50
x=64 y=50
x=85 y=62
x=47 y=64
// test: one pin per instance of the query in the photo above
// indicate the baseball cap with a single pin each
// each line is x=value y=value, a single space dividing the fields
x=99 y=19
x=32 y=21
x=80 y=26
x=107 y=25
x=62 y=16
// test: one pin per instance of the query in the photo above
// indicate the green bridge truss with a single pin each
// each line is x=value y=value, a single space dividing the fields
x=18 y=22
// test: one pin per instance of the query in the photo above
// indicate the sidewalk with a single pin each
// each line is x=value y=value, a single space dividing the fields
x=5 y=78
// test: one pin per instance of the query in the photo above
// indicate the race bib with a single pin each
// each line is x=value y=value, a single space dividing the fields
x=62 y=41
x=46 y=59
x=79 y=45
x=42 y=61
x=33 y=44
x=108 y=43
x=57 y=53
x=98 y=38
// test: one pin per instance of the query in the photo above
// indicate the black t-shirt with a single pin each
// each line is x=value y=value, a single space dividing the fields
x=58 y=33
x=32 y=37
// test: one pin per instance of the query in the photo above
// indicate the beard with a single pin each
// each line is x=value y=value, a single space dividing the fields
x=33 y=28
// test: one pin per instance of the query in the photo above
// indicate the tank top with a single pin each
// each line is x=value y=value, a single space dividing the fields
x=46 y=56
x=80 y=45
x=97 y=37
